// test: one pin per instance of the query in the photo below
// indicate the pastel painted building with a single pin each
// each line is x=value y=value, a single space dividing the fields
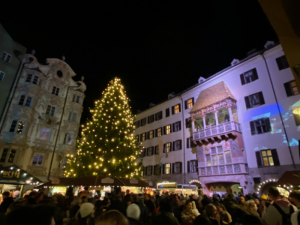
x=42 y=123
x=237 y=128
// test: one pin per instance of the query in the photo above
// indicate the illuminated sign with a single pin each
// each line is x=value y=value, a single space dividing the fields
x=11 y=174
x=166 y=185
x=240 y=187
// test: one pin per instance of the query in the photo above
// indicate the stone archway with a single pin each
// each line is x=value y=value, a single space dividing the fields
x=199 y=186
x=222 y=187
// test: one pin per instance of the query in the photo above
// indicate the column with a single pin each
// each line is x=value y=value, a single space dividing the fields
x=193 y=125
x=216 y=117
x=230 y=113
x=204 y=124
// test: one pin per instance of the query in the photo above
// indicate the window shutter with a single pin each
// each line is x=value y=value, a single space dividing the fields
x=261 y=98
x=164 y=166
x=141 y=137
x=180 y=167
x=173 y=164
x=193 y=101
x=164 y=150
x=252 y=126
x=171 y=128
x=297 y=119
x=275 y=157
x=255 y=76
x=155 y=132
x=179 y=125
x=171 y=146
x=179 y=107
x=288 y=89
x=188 y=142
x=248 y=106
x=188 y=166
x=258 y=159
x=174 y=143
x=172 y=110
x=185 y=104
x=151 y=170
x=268 y=125
x=164 y=129
x=197 y=166
x=279 y=63
x=180 y=144
x=242 y=79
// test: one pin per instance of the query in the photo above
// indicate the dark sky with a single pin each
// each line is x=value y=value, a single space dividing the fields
x=155 y=47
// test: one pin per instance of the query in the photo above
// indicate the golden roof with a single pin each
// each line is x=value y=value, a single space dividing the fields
x=211 y=95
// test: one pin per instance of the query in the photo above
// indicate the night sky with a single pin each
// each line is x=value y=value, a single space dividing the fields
x=154 y=47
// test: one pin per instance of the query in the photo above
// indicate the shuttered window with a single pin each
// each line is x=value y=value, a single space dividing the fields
x=260 y=126
x=266 y=158
x=282 y=63
x=248 y=76
x=189 y=103
x=254 y=100
x=291 y=88
x=167 y=112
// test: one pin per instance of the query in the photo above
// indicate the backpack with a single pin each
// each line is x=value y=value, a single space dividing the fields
x=286 y=218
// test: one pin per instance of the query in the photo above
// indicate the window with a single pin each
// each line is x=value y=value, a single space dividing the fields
x=11 y=156
x=254 y=100
x=35 y=80
x=177 y=145
x=176 y=109
x=210 y=119
x=143 y=137
x=22 y=99
x=151 y=119
x=188 y=122
x=282 y=63
x=260 y=126
x=214 y=160
x=28 y=100
x=28 y=78
x=137 y=138
x=142 y=172
x=189 y=103
x=198 y=122
x=228 y=157
x=72 y=117
x=167 y=147
x=76 y=99
x=4 y=154
x=208 y=162
x=45 y=134
x=192 y=166
x=50 y=110
x=149 y=170
x=158 y=132
x=249 y=76
x=6 y=57
x=137 y=124
x=167 y=112
x=2 y=75
x=177 y=167
x=68 y=139
x=167 y=129
x=291 y=88
x=156 y=150
x=143 y=122
x=55 y=90
x=142 y=153
x=167 y=168
x=157 y=170
x=150 y=134
x=268 y=157
x=37 y=159
x=150 y=151
x=221 y=159
x=296 y=114
x=20 y=127
x=13 y=126
x=158 y=116
x=176 y=126
x=190 y=143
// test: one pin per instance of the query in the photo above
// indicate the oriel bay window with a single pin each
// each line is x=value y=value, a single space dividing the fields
x=267 y=157
x=210 y=119
x=223 y=116
x=199 y=123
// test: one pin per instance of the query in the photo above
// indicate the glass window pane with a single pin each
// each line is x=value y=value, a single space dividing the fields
x=210 y=119
x=213 y=150
x=221 y=159
x=199 y=123
x=266 y=162
x=228 y=157
x=220 y=149
x=208 y=163
x=271 y=161
x=263 y=153
x=223 y=115
x=269 y=153
x=215 y=160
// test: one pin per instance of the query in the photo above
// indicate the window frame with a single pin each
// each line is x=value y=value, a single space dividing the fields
x=2 y=75
x=151 y=134
x=177 y=126
x=253 y=78
x=143 y=120
x=151 y=119
x=168 y=131
x=51 y=110
x=192 y=164
x=249 y=102
x=6 y=55
x=282 y=63
x=175 y=145
x=260 y=158
x=289 y=89
x=176 y=166
x=72 y=117
x=167 y=112
x=66 y=137
x=169 y=168
x=40 y=134
x=158 y=116
x=254 y=126
x=55 y=90
x=39 y=155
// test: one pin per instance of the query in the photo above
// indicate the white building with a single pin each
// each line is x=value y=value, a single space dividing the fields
x=45 y=112
x=245 y=127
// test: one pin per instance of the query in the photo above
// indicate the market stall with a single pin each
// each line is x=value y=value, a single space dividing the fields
x=136 y=186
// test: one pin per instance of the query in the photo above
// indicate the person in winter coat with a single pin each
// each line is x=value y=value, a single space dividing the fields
x=144 y=209
x=225 y=217
x=252 y=209
x=7 y=201
x=280 y=206
x=242 y=203
x=165 y=210
x=189 y=214
x=133 y=214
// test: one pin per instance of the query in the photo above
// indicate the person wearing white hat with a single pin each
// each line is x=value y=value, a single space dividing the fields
x=133 y=214
x=85 y=211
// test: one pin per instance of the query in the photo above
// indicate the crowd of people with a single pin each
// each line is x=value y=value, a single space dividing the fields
x=144 y=209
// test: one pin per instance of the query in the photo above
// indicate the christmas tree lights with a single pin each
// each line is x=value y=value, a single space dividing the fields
x=107 y=146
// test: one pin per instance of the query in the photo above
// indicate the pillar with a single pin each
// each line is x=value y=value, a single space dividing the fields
x=216 y=117
x=230 y=113
x=204 y=123
x=193 y=125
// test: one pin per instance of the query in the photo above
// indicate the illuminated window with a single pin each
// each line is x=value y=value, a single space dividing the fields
x=208 y=162
x=198 y=122
x=50 y=110
x=2 y=75
x=176 y=126
x=167 y=168
x=37 y=159
x=143 y=136
x=223 y=116
x=189 y=103
x=167 y=129
x=254 y=100
x=55 y=91
x=20 y=127
x=291 y=88
x=221 y=159
x=158 y=132
x=176 y=109
x=6 y=57
x=296 y=113
x=260 y=126
x=210 y=119
x=167 y=147
x=151 y=134
x=68 y=139
x=177 y=167
x=282 y=63
x=267 y=157
x=192 y=166
x=215 y=160
x=249 y=76
x=45 y=134
x=11 y=156
x=228 y=157
x=158 y=116
x=3 y=155
x=157 y=170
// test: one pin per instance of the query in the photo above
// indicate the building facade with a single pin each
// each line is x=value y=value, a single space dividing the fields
x=231 y=131
x=12 y=54
x=43 y=120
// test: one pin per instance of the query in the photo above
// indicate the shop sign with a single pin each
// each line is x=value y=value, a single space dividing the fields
x=133 y=181
x=166 y=185
x=107 y=180
x=239 y=187
x=11 y=174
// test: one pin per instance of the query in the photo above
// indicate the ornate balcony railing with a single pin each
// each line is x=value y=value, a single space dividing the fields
x=221 y=169
x=217 y=130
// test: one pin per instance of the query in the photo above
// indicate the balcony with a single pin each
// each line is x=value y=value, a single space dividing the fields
x=223 y=170
x=216 y=133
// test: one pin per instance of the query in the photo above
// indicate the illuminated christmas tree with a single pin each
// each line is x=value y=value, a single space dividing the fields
x=107 y=146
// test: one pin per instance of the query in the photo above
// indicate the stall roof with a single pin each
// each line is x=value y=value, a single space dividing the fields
x=290 y=177
x=63 y=181
x=15 y=175
x=133 y=182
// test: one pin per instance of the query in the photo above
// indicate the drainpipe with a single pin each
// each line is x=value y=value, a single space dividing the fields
x=183 y=141
x=287 y=138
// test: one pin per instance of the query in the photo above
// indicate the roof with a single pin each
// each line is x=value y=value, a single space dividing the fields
x=133 y=182
x=213 y=94
x=290 y=177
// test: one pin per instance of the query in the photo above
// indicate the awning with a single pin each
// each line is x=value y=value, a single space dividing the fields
x=133 y=182
x=63 y=181
x=14 y=175
x=290 y=177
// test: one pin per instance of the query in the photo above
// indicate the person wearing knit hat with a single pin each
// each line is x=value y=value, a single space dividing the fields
x=133 y=214
x=86 y=209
